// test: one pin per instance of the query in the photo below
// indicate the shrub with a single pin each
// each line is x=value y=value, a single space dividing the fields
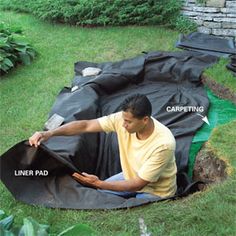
x=32 y=227
x=16 y=5
x=184 y=24
x=14 y=49
x=101 y=12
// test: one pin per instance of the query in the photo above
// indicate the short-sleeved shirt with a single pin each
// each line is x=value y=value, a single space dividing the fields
x=152 y=159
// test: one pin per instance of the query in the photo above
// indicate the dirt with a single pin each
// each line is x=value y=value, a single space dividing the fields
x=209 y=168
x=219 y=89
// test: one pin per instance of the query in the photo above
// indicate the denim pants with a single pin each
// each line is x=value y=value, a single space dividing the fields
x=119 y=177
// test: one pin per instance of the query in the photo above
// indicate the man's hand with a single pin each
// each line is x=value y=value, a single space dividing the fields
x=38 y=137
x=131 y=185
x=87 y=180
x=72 y=128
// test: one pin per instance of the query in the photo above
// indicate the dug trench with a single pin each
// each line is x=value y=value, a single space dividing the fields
x=218 y=89
x=208 y=167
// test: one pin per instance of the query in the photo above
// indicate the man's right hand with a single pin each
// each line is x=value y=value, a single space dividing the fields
x=38 y=137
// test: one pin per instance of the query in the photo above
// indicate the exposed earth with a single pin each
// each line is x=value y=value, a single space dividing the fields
x=209 y=168
x=219 y=89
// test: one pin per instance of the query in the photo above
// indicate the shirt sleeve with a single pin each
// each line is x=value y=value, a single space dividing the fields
x=109 y=123
x=156 y=165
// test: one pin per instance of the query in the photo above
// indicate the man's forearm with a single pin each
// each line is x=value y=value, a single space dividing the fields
x=124 y=185
x=72 y=128
x=130 y=185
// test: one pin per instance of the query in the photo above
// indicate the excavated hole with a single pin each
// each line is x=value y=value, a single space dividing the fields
x=219 y=89
x=209 y=168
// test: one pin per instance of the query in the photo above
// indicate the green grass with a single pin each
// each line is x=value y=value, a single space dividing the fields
x=28 y=93
x=218 y=141
x=224 y=77
x=59 y=46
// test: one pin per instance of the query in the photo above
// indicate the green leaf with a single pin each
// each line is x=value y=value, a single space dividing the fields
x=33 y=228
x=12 y=57
x=16 y=29
x=19 y=42
x=79 y=229
x=6 y=222
x=21 y=49
x=2 y=214
x=3 y=42
x=25 y=58
x=31 y=53
x=8 y=62
x=19 y=39
x=4 y=68
x=4 y=232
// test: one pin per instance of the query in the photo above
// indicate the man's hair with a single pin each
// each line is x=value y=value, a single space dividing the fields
x=138 y=105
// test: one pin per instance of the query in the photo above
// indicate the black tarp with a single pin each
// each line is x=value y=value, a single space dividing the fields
x=232 y=65
x=167 y=78
x=205 y=43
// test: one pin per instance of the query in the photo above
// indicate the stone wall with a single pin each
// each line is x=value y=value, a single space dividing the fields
x=216 y=17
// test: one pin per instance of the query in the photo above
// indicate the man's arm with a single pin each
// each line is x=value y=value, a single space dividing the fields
x=131 y=185
x=72 y=128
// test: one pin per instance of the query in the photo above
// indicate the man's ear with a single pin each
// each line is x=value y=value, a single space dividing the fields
x=145 y=119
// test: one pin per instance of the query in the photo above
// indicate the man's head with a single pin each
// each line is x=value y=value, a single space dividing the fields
x=136 y=113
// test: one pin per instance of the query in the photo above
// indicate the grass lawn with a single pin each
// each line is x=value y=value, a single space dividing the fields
x=28 y=93
x=221 y=75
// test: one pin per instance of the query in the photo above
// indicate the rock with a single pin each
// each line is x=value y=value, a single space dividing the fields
x=231 y=4
x=215 y=3
x=210 y=24
x=229 y=25
x=204 y=30
x=224 y=32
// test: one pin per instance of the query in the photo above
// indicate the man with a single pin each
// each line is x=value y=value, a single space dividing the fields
x=146 y=146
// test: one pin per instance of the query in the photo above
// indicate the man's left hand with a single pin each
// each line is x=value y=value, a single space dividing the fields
x=87 y=180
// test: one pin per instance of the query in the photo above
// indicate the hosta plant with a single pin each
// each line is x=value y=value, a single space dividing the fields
x=14 y=48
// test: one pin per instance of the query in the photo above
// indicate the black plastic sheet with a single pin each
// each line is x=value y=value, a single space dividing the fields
x=167 y=78
x=206 y=43
x=232 y=65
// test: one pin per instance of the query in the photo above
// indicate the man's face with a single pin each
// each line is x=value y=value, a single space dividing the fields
x=133 y=124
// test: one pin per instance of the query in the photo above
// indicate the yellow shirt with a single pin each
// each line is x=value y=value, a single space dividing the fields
x=152 y=159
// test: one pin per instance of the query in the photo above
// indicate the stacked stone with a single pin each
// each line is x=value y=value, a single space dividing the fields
x=216 y=17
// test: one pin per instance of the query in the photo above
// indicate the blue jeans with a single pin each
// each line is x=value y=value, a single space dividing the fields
x=142 y=195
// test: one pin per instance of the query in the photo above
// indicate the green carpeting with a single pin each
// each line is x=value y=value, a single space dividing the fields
x=220 y=112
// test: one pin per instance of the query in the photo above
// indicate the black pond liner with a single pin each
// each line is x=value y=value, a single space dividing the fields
x=211 y=45
x=208 y=44
x=167 y=78
x=232 y=65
